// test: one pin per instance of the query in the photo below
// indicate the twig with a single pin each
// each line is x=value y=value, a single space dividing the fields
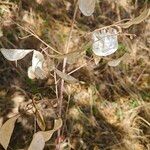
x=36 y=36
x=56 y=87
x=80 y=67
x=116 y=24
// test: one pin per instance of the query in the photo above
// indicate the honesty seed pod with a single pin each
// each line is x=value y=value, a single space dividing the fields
x=105 y=42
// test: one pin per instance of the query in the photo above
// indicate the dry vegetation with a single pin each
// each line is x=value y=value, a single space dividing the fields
x=108 y=109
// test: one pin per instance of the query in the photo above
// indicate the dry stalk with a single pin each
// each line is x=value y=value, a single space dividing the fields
x=63 y=70
x=37 y=37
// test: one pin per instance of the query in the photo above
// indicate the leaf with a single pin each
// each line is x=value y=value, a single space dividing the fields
x=39 y=117
x=39 y=138
x=138 y=19
x=38 y=142
x=66 y=77
x=40 y=120
x=14 y=54
x=116 y=62
x=87 y=6
x=48 y=134
x=6 y=131
x=105 y=42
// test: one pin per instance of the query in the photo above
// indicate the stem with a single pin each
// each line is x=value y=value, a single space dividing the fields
x=63 y=70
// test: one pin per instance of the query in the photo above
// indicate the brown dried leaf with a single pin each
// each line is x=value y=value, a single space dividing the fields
x=38 y=142
x=66 y=77
x=138 y=19
x=39 y=138
x=48 y=134
x=40 y=120
x=6 y=131
x=116 y=62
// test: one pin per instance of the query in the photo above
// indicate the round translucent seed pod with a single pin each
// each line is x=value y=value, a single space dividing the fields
x=105 y=42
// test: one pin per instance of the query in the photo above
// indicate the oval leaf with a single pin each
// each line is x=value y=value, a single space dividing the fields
x=114 y=63
x=40 y=120
x=6 y=131
x=66 y=77
x=87 y=7
x=48 y=134
x=38 y=142
x=15 y=54
x=39 y=138
x=138 y=19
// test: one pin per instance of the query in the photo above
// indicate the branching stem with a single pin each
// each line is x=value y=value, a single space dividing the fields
x=64 y=69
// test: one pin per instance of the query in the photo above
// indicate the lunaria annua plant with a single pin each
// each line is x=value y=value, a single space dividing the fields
x=105 y=42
